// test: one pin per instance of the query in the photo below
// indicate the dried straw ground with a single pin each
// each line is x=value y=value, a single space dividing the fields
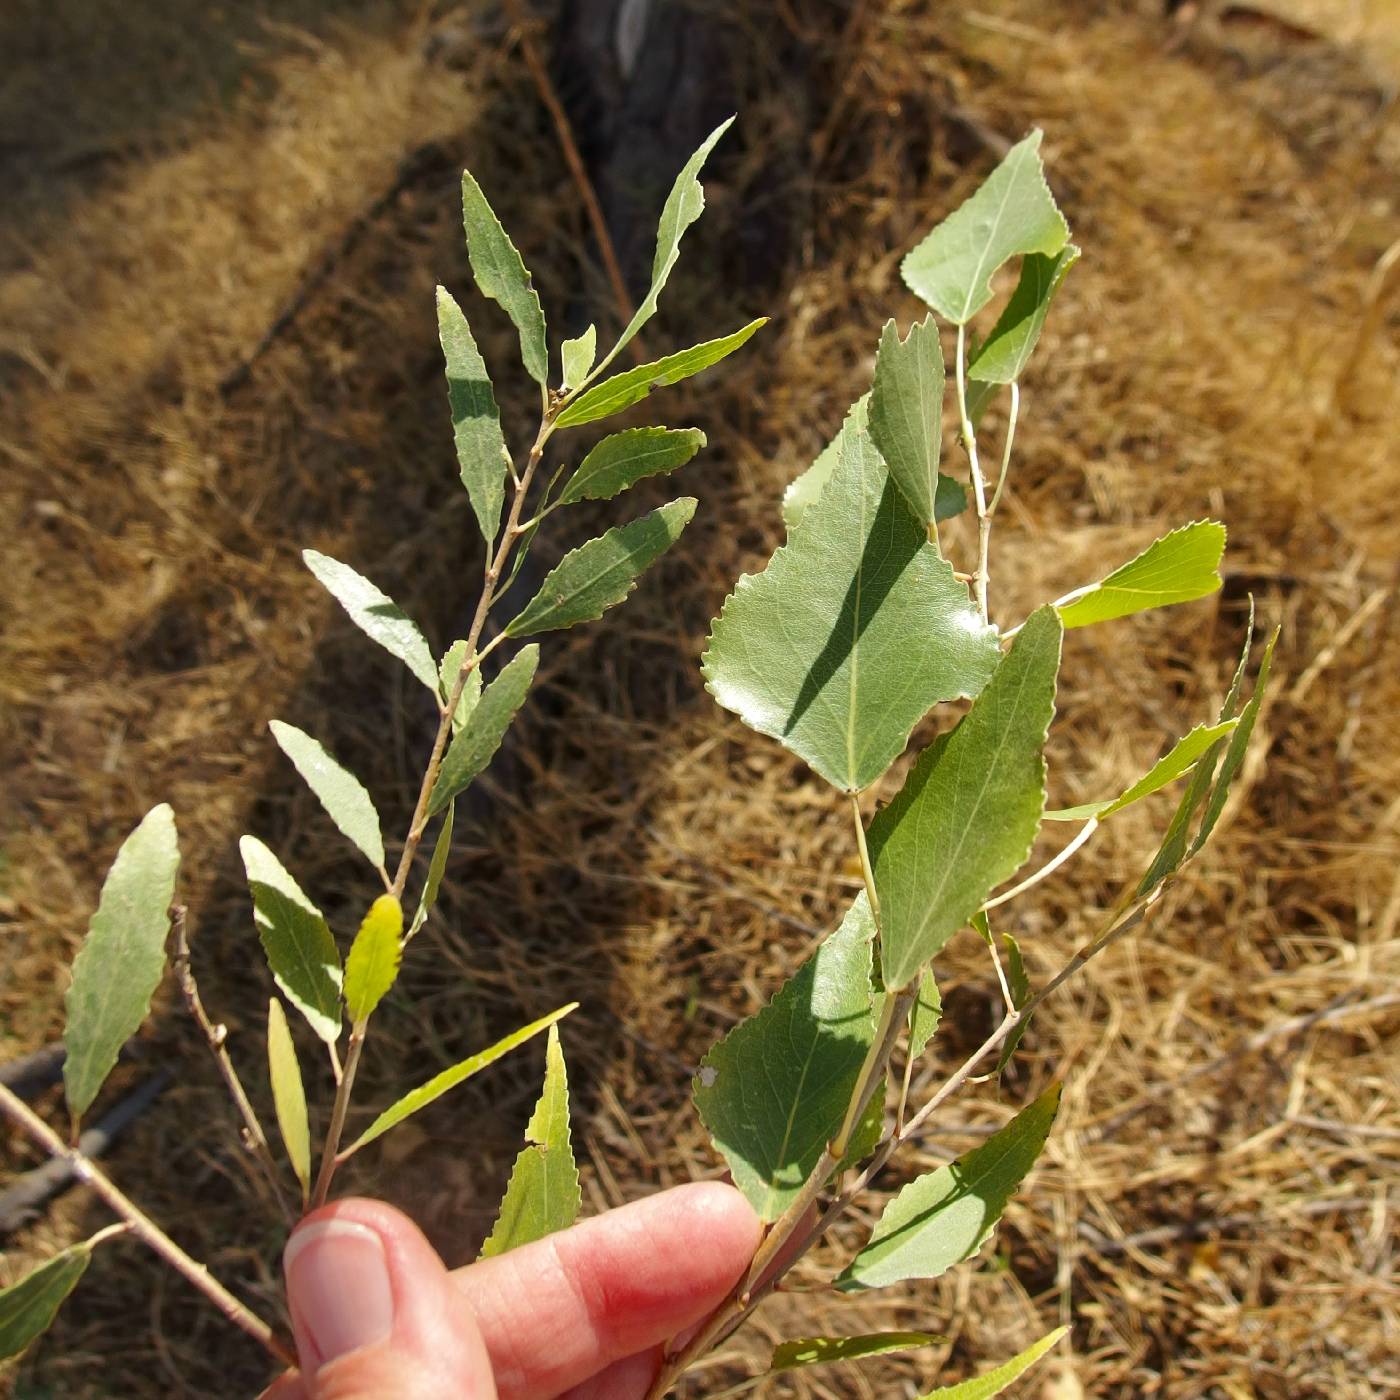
x=1216 y=1208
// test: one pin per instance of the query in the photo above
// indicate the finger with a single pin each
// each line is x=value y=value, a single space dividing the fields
x=288 y=1387
x=375 y=1313
x=557 y=1312
x=624 y=1380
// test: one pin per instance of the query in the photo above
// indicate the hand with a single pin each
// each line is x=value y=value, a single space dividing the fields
x=580 y=1315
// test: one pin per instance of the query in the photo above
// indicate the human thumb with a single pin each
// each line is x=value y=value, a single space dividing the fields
x=375 y=1313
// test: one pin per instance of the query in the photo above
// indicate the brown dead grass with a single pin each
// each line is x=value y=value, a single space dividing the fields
x=1216 y=1208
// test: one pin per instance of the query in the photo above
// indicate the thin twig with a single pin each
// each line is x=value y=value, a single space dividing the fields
x=1050 y=866
x=150 y=1234
x=979 y=490
x=867 y=871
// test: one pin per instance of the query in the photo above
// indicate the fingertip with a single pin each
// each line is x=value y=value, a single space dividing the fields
x=714 y=1217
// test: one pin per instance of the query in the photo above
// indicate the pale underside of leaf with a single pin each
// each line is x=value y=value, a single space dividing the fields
x=820 y=1351
x=119 y=966
x=855 y=630
x=288 y=1094
x=941 y=1218
x=1012 y=212
x=28 y=1306
x=336 y=788
x=968 y=813
x=448 y=672
x=992 y=1383
x=626 y=458
x=774 y=1091
x=577 y=356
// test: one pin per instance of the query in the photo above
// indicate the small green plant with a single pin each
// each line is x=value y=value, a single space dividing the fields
x=856 y=630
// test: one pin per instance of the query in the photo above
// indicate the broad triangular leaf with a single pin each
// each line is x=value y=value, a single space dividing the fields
x=774 y=1091
x=854 y=631
x=625 y=458
x=337 y=789
x=288 y=1094
x=1012 y=212
x=969 y=810
x=439 y=1084
x=448 y=672
x=1177 y=568
x=372 y=965
x=633 y=385
x=1003 y=356
x=906 y=413
x=501 y=275
x=819 y=1351
x=476 y=421
x=944 y=1216
x=299 y=947
x=992 y=1383
x=577 y=356
x=120 y=963
x=684 y=204
x=437 y=867
x=486 y=726
x=543 y=1195
x=375 y=614
x=1171 y=766
x=28 y=1306
x=596 y=576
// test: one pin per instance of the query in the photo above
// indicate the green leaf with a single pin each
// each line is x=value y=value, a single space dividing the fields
x=818 y=1351
x=625 y=458
x=543 y=1194
x=774 y=1091
x=29 y=1305
x=451 y=665
x=598 y=575
x=372 y=965
x=1012 y=212
x=337 y=789
x=476 y=745
x=439 y=1084
x=375 y=614
x=299 y=947
x=991 y=1383
x=1003 y=356
x=437 y=868
x=979 y=399
x=476 y=421
x=1171 y=766
x=684 y=204
x=578 y=356
x=288 y=1094
x=1177 y=568
x=925 y=1015
x=119 y=966
x=1019 y=986
x=854 y=631
x=946 y=1215
x=970 y=808
x=501 y=275
x=906 y=413
x=633 y=385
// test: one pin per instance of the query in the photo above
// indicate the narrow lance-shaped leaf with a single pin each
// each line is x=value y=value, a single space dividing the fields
x=819 y=1351
x=375 y=614
x=501 y=275
x=298 y=943
x=946 y=1215
x=476 y=421
x=372 y=965
x=120 y=963
x=437 y=868
x=600 y=574
x=816 y=650
x=337 y=789
x=684 y=204
x=448 y=671
x=1003 y=356
x=924 y=1016
x=437 y=1086
x=1171 y=766
x=29 y=1305
x=906 y=413
x=577 y=356
x=476 y=745
x=633 y=385
x=1177 y=568
x=625 y=458
x=288 y=1094
x=1012 y=212
x=774 y=1091
x=969 y=810
x=992 y=1383
x=543 y=1194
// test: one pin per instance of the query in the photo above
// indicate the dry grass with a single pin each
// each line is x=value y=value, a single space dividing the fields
x=1216 y=1208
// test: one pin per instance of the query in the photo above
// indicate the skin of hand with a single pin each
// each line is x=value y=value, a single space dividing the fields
x=580 y=1315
